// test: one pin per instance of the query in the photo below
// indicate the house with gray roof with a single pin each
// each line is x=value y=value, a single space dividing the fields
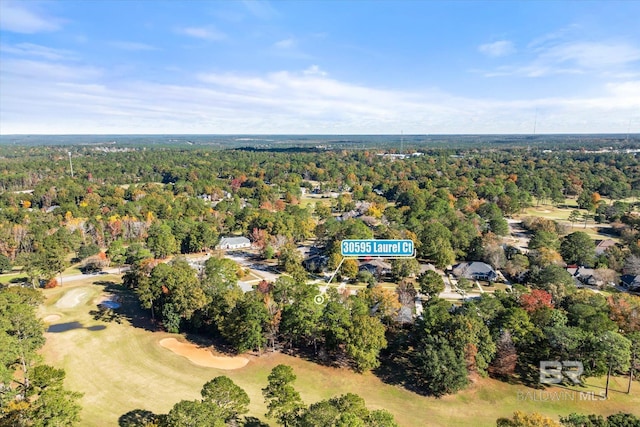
x=475 y=271
x=603 y=245
x=376 y=266
x=583 y=275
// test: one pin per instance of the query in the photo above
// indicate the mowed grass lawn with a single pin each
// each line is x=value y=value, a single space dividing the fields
x=120 y=367
x=561 y=215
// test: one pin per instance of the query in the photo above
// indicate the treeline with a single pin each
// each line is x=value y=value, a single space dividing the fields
x=284 y=314
x=31 y=394
x=505 y=334
x=224 y=403
x=543 y=175
x=519 y=419
x=454 y=207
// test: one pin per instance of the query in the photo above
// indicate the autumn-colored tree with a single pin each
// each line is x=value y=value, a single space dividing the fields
x=624 y=309
x=385 y=302
x=279 y=205
x=259 y=238
x=504 y=364
x=522 y=419
x=349 y=268
x=536 y=300
x=264 y=287
x=51 y=283
x=375 y=210
x=545 y=257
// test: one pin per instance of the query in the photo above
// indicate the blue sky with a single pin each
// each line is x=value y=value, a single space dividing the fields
x=321 y=67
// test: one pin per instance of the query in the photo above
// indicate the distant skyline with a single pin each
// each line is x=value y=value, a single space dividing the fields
x=319 y=67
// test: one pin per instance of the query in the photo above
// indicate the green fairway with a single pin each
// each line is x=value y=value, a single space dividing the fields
x=120 y=367
x=561 y=215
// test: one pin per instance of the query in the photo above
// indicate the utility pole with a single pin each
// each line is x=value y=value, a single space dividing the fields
x=633 y=365
x=606 y=388
x=70 y=164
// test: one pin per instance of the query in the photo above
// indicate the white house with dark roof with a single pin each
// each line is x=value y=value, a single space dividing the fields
x=227 y=243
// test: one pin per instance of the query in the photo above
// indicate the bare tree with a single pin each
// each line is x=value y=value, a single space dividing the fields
x=632 y=265
x=606 y=276
x=504 y=363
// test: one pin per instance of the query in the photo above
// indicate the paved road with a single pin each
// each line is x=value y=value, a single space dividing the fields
x=520 y=237
x=104 y=272
x=264 y=274
x=449 y=292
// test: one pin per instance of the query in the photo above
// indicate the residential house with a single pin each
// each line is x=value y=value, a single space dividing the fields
x=603 y=245
x=631 y=282
x=315 y=263
x=376 y=266
x=585 y=276
x=233 y=243
x=475 y=271
x=426 y=267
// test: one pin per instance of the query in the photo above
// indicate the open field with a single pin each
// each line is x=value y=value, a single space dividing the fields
x=561 y=214
x=122 y=366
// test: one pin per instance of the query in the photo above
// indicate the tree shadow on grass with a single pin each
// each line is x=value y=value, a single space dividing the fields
x=70 y=326
x=397 y=369
x=138 y=418
x=320 y=356
x=211 y=340
x=129 y=310
x=253 y=422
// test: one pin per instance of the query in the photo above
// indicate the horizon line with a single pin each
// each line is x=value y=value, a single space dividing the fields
x=319 y=134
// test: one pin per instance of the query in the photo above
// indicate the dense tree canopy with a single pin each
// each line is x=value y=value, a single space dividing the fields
x=31 y=394
x=453 y=203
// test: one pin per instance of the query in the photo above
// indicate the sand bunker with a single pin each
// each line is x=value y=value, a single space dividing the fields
x=73 y=298
x=51 y=318
x=203 y=356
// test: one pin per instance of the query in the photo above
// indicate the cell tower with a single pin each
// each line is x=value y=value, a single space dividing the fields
x=70 y=164
x=535 y=123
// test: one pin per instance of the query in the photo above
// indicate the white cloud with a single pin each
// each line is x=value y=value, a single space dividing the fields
x=591 y=55
x=558 y=53
x=231 y=81
x=18 y=18
x=204 y=33
x=50 y=98
x=132 y=46
x=48 y=71
x=314 y=70
x=261 y=9
x=288 y=48
x=30 y=49
x=498 y=48
x=285 y=44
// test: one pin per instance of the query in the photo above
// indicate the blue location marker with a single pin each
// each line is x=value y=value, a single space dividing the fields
x=377 y=248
